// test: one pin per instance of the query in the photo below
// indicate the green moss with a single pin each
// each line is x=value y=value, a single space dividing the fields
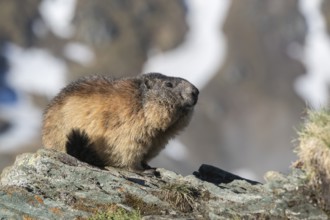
x=117 y=214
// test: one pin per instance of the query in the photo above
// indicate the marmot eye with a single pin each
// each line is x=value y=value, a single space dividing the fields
x=169 y=84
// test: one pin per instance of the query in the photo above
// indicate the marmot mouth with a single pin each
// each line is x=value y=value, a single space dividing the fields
x=191 y=103
x=190 y=98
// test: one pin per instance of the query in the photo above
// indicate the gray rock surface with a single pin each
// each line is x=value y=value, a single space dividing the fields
x=54 y=185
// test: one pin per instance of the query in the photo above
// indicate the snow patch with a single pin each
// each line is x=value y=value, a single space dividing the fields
x=314 y=85
x=199 y=57
x=31 y=71
x=58 y=15
x=26 y=123
x=35 y=70
x=79 y=53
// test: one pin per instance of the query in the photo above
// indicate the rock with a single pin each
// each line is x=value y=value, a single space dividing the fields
x=53 y=185
x=216 y=175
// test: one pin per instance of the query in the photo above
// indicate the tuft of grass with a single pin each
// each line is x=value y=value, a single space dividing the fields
x=317 y=127
x=180 y=196
x=314 y=154
x=314 y=147
x=117 y=213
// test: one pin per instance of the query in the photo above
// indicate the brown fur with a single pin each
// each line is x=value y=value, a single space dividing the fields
x=127 y=121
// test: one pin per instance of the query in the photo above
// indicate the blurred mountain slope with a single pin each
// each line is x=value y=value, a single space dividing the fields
x=247 y=113
x=113 y=37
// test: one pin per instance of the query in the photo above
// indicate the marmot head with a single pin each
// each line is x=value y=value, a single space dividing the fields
x=171 y=92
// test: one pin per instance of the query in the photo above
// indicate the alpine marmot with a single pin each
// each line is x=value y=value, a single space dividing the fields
x=120 y=123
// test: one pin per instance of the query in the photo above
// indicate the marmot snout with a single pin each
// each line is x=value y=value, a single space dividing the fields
x=120 y=123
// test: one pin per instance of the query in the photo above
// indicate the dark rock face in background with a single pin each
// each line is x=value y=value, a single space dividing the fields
x=16 y=23
x=122 y=32
x=244 y=112
x=18 y=30
x=326 y=13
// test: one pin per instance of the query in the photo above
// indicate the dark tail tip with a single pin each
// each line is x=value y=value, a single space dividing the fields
x=80 y=146
x=77 y=142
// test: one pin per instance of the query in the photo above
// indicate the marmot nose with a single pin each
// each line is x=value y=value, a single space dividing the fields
x=195 y=93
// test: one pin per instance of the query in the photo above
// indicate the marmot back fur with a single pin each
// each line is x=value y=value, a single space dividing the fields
x=120 y=123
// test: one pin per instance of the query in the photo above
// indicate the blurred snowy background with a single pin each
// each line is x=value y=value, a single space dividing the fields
x=257 y=63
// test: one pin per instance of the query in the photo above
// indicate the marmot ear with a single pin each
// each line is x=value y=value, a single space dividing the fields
x=147 y=83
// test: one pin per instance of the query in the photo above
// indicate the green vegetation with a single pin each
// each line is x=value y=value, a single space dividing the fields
x=314 y=154
x=314 y=147
x=317 y=127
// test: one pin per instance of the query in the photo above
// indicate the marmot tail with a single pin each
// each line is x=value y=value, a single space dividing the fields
x=79 y=145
